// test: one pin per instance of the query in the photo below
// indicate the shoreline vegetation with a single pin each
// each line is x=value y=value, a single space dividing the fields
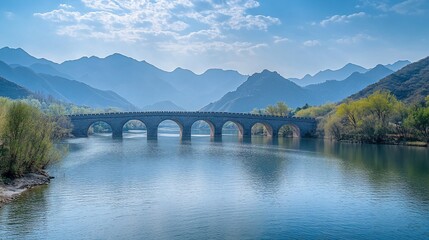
x=379 y=118
x=28 y=140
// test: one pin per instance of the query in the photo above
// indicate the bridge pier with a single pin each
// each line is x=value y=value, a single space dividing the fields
x=246 y=132
x=117 y=134
x=216 y=132
x=186 y=132
x=152 y=132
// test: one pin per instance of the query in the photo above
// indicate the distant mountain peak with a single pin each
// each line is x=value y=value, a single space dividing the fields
x=328 y=74
x=379 y=67
x=19 y=56
x=397 y=65
x=119 y=56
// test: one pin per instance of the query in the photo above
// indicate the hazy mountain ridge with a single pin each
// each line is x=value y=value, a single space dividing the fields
x=63 y=89
x=12 y=90
x=138 y=81
x=19 y=56
x=260 y=90
x=145 y=85
x=397 y=65
x=267 y=88
x=410 y=84
x=163 y=106
x=334 y=91
x=326 y=75
x=342 y=73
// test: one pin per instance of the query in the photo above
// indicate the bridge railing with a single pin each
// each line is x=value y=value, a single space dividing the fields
x=187 y=112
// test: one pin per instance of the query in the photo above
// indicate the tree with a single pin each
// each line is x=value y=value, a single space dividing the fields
x=316 y=111
x=352 y=112
x=280 y=109
x=418 y=121
x=27 y=140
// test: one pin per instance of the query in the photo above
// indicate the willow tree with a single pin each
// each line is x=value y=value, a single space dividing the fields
x=280 y=109
x=27 y=140
x=418 y=121
x=368 y=119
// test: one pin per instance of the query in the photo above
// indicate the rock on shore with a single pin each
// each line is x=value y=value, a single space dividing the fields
x=11 y=190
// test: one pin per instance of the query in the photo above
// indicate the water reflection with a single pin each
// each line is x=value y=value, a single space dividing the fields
x=26 y=212
x=384 y=164
x=265 y=167
x=258 y=187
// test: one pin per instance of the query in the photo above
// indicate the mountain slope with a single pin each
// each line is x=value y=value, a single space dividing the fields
x=329 y=74
x=144 y=84
x=12 y=90
x=410 y=84
x=334 y=91
x=20 y=57
x=138 y=81
x=397 y=65
x=62 y=88
x=163 y=106
x=260 y=90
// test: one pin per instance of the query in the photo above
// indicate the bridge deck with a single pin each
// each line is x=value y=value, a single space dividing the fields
x=185 y=120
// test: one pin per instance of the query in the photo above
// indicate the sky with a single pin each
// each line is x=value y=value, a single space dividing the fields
x=292 y=37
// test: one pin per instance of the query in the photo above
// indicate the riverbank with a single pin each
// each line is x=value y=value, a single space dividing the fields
x=9 y=190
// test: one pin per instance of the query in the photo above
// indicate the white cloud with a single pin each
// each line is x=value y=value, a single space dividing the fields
x=406 y=7
x=214 y=46
x=106 y=5
x=341 y=18
x=278 y=39
x=354 y=39
x=182 y=22
x=311 y=43
x=65 y=6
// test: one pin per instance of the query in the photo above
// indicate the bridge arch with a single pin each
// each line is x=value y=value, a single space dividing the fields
x=98 y=127
x=169 y=121
x=134 y=126
x=232 y=125
x=262 y=128
x=289 y=130
x=201 y=123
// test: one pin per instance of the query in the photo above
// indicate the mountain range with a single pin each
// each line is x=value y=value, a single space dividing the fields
x=342 y=73
x=334 y=90
x=62 y=89
x=138 y=81
x=267 y=88
x=140 y=84
x=410 y=84
x=261 y=90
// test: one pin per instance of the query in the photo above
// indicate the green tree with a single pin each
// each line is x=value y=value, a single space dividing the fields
x=27 y=140
x=316 y=111
x=418 y=122
x=280 y=109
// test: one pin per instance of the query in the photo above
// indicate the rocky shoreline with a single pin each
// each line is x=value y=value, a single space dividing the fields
x=9 y=190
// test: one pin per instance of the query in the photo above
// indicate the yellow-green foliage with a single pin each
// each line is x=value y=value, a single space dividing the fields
x=315 y=112
x=369 y=119
x=280 y=109
x=26 y=136
x=418 y=121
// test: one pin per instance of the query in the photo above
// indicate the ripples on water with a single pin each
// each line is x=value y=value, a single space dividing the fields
x=168 y=189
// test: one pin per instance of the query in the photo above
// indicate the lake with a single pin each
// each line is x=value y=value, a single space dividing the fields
x=230 y=189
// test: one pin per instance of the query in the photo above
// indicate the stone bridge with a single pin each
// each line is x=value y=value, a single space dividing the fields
x=216 y=120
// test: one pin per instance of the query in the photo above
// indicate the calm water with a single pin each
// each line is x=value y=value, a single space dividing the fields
x=167 y=189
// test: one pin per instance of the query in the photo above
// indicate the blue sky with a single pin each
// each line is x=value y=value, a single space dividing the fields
x=293 y=37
